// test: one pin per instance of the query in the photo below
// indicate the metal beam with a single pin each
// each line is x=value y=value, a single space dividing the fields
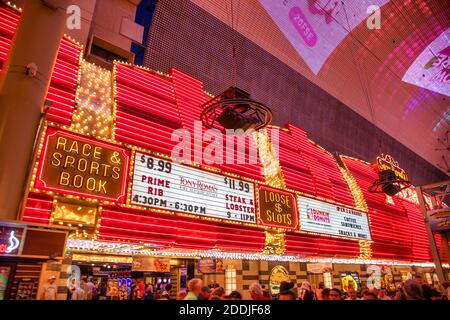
x=444 y=244
x=433 y=246
x=427 y=187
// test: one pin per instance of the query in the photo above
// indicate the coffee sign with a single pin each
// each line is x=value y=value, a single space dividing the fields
x=277 y=208
x=74 y=164
x=332 y=219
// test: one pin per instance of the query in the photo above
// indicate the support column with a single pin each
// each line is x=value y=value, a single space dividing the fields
x=433 y=247
x=444 y=245
x=22 y=96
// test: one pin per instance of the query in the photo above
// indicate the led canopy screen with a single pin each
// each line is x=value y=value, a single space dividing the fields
x=431 y=69
x=316 y=27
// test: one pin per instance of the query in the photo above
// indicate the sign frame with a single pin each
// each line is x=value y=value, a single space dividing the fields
x=39 y=182
x=262 y=224
x=22 y=239
x=299 y=196
x=202 y=168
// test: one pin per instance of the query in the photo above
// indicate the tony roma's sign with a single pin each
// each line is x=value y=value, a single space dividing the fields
x=77 y=165
x=322 y=217
x=160 y=183
x=277 y=208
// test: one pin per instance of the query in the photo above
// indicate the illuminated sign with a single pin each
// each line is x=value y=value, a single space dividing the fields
x=440 y=221
x=150 y=264
x=277 y=275
x=277 y=208
x=350 y=280
x=386 y=162
x=10 y=239
x=73 y=281
x=319 y=268
x=316 y=27
x=210 y=266
x=431 y=68
x=164 y=184
x=74 y=164
x=322 y=217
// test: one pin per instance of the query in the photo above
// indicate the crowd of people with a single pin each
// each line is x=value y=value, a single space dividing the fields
x=412 y=289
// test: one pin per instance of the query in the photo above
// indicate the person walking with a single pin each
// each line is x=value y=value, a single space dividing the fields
x=256 y=292
x=195 y=287
x=50 y=289
x=413 y=290
x=335 y=294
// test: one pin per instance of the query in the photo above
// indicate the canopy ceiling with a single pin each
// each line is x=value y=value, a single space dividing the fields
x=397 y=76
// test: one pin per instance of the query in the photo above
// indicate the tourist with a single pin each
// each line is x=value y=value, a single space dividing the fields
x=88 y=288
x=141 y=292
x=446 y=292
x=399 y=295
x=78 y=294
x=318 y=291
x=219 y=292
x=335 y=294
x=325 y=295
x=195 y=287
x=50 y=289
x=286 y=286
x=413 y=290
x=256 y=292
x=167 y=291
x=205 y=293
x=102 y=290
x=368 y=295
x=181 y=295
x=136 y=293
x=148 y=294
x=304 y=289
x=123 y=291
x=351 y=292
x=286 y=295
x=382 y=295
x=266 y=292
x=234 y=295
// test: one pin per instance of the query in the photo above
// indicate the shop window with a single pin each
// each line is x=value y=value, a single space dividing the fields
x=106 y=55
x=328 y=280
x=230 y=279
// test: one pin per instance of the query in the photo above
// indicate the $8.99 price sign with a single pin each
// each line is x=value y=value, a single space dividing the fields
x=164 y=184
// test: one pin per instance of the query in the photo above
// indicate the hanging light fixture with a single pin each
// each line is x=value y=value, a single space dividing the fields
x=233 y=108
x=389 y=183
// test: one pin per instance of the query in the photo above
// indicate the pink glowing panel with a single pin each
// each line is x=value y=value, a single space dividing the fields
x=316 y=27
x=431 y=70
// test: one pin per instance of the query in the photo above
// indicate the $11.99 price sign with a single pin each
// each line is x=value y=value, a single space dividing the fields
x=164 y=184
